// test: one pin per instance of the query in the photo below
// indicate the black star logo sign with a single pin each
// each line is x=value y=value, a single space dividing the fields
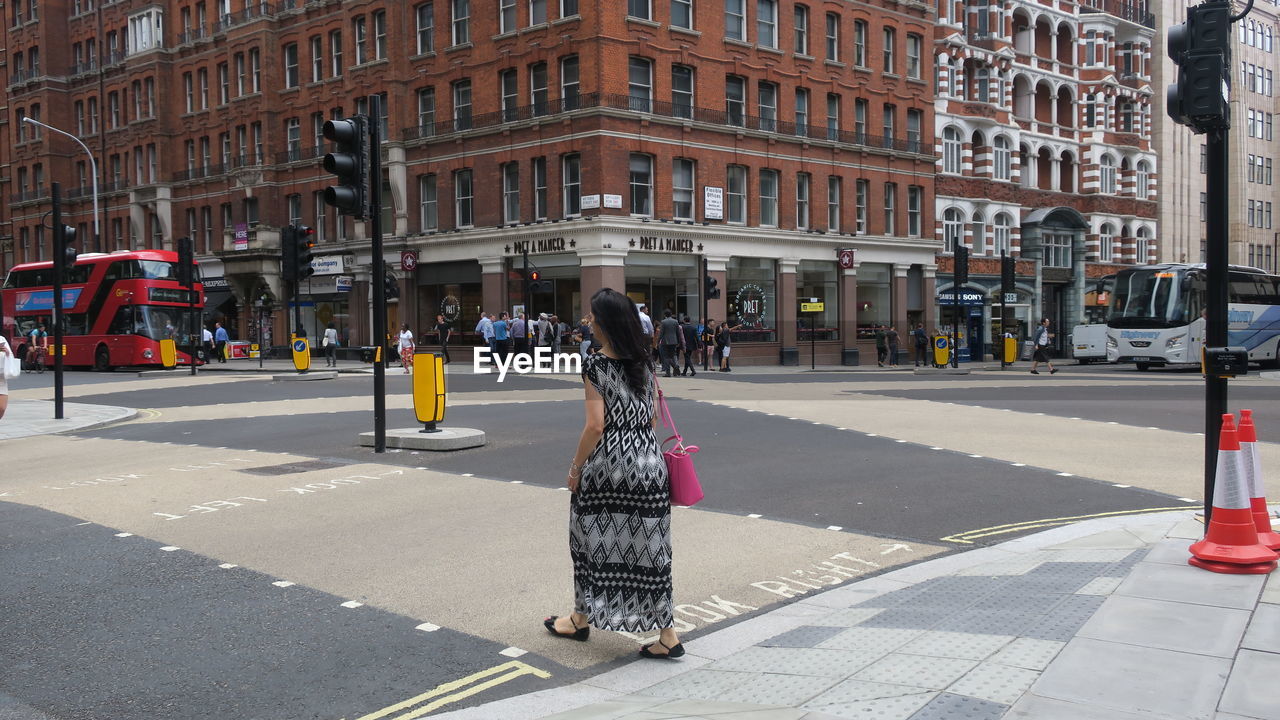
x=699 y=247
x=632 y=242
x=506 y=249
x=573 y=243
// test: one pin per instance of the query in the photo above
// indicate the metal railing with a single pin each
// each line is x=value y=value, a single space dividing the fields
x=1135 y=11
x=298 y=154
x=83 y=67
x=29 y=195
x=192 y=34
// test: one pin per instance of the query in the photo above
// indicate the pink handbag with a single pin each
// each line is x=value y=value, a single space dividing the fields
x=685 y=488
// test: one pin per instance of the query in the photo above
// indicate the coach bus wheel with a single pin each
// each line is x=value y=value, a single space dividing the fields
x=102 y=360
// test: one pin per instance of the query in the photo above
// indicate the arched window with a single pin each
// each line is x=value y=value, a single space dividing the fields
x=1107 y=175
x=1002 y=169
x=952 y=229
x=1142 y=180
x=951 y=150
x=1142 y=244
x=1107 y=242
x=1266 y=38
x=982 y=84
x=979 y=227
x=1000 y=234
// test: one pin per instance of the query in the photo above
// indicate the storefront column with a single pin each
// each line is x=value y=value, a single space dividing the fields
x=900 y=298
x=849 y=315
x=930 y=299
x=718 y=308
x=789 y=353
x=493 y=279
x=361 y=327
x=601 y=268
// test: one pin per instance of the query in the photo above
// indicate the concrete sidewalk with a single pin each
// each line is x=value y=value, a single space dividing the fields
x=25 y=418
x=1098 y=620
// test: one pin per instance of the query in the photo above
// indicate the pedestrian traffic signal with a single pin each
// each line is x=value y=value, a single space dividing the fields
x=186 y=262
x=349 y=163
x=1201 y=48
x=390 y=287
x=710 y=283
x=304 y=239
x=962 y=265
x=537 y=284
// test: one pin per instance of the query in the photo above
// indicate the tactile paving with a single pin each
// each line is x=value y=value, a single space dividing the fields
x=931 y=672
x=997 y=683
x=909 y=617
x=1100 y=586
x=849 y=616
x=1065 y=620
x=891 y=708
x=990 y=622
x=958 y=707
x=967 y=646
x=1088 y=555
x=857 y=690
x=1011 y=566
x=1080 y=569
x=1029 y=653
x=874 y=640
x=1025 y=601
x=700 y=684
x=827 y=662
x=778 y=689
x=805 y=636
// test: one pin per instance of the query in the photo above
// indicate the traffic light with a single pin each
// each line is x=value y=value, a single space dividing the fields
x=390 y=287
x=1201 y=48
x=289 y=254
x=304 y=243
x=186 y=262
x=537 y=284
x=349 y=163
x=1008 y=284
x=64 y=254
x=962 y=265
x=710 y=283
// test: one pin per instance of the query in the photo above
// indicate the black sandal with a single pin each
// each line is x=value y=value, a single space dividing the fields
x=672 y=652
x=579 y=633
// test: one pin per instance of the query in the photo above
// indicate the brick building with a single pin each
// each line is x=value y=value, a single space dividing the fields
x=621 y=144
x=1044 y=116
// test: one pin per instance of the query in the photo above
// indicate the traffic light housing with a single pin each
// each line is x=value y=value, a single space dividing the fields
x=710 y=284
x=349 y=162
x=1008 y=282
x=962 y=265
x=288 y=254
x=304 y=243
x=537 y=284
x=186 y=262
x=64 y=254
x=390 y=287
x=1201 y=48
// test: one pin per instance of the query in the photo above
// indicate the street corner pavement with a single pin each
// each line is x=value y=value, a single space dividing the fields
x=1101 y=619
x=25 y=418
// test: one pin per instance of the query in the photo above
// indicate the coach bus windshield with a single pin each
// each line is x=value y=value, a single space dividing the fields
x=1149 y=297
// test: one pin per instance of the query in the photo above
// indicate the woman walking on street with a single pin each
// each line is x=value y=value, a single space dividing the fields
x=584 y=336
x=406 y=348
x=620 y=510
x=6 y=352
x=330 y=343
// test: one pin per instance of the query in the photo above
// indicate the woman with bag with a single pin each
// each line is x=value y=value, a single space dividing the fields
x=621 y=567
x=9 y=365
x=330 y=343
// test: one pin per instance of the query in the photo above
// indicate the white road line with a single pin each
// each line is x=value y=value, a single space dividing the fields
x=468 y=474
x=83 y=523
x=975 y=456
x=872 y=435
x=517 y=482
x=1073 y=418
x=170 y=548
x=842 y=428
x=352 y=604
x=1198 y=434
x=755 y=515
x=1019 y=464
x=282 y=583
x=793 y=418
x=1112 y=422
x=834 y=527
x=124 y=534
x=228 y=566
x=427 y=627
x=935 y=448
x=1188 y=500
x=899 y=441
x=1152 y=427
x=1065 y=474
x=1120 y=486
x=512 y=652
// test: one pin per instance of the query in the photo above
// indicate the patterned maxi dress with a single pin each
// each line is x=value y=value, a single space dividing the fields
x=620 y=517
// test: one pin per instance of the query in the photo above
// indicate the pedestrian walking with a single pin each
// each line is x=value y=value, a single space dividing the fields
x=882 y=345
x=646 y=324
x=502 y=336
x=670 y=338
x=557 y=332
x=891 y=338
x=1043 y=336
x=485 y=328
x=406 y=348
x=707 y=335
x=922 y=344
x=620 y=508
x=520 y=335
x=443 y=332
x=206 y=342
x=584 y=336
x=220 y=340
x=691 y=343
x=6 y=352
x=723 y=343
x=330 y=344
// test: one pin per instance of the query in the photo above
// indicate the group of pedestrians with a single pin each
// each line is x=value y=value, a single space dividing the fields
x=676 y=338
x=504 y=335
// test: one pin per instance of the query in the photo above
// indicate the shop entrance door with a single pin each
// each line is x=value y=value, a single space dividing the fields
x=975 y=334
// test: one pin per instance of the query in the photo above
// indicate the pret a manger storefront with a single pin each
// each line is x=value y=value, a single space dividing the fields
x=763 y=275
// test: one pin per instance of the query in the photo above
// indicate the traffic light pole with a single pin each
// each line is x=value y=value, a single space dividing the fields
x=1217 y=257
x=706 y=305
x=374 y=179
x=59 y=269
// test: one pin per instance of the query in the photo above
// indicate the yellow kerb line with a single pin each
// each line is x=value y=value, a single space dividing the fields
x=515 y=668
x=1049 y=522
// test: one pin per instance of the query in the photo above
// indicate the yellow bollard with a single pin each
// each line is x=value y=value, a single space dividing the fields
x=168 y=353
x=428 y=390
x=301 y=354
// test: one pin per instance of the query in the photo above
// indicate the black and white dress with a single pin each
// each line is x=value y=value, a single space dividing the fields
x=620 y=517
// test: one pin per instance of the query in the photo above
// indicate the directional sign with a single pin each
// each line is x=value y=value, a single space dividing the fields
x=813 y=307
x=301 y=354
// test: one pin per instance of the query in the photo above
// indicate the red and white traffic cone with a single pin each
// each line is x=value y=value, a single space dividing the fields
x=1230 y=544
x=1253 y=480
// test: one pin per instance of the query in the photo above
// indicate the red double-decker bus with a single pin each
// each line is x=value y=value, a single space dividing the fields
x=117 y=307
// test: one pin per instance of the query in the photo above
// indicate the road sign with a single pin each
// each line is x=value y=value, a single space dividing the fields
x=301 y=354
x=1011 y=297
x=813 y=307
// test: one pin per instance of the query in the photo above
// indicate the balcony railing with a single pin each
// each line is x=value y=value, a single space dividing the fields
x=1135 y=11
x=251 y=13
x=192 y=34
x=83 y=67
x=682 y=111
x=299 y=154
x=29 y=195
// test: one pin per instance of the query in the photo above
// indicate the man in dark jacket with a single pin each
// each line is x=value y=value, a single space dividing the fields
x=671 y=338
x=691 y=344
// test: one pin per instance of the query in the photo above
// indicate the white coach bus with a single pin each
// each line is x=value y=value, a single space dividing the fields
x=1157 y=315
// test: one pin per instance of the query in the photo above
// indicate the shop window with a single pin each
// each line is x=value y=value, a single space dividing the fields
x=817 y=279
x=751 y=299
x=874 y=308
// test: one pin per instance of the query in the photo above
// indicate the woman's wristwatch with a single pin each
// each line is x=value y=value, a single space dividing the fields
x=575 y=471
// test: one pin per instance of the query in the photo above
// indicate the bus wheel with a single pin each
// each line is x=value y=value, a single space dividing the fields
x=1143 y=367
x=102 y=360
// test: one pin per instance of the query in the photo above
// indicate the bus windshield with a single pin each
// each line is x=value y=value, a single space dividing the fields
x=154 y=322
x=1149 y=297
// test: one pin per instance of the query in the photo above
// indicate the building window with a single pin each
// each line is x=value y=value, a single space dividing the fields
x=860 y=43
x=834 y=193
x=735 y=19
x=641 y=180
x=380 y=35
x=463 y=195
x=861 y=195
x=1106 y=243
x=511 y=193
x=255 y=68
x=802 y=30
x=951 y=148
x=979 y=232
x=890 y=47
x=802 y=112
x=915 y=44
x=335 y=54
x=833 y=116
x=802 y=201
x=640 y=84
x=890 y=208
x=682 y=184
x=1002 y=168
x=291 y=65
x=682 y=91
x=682 y=14
x=767 y=105
x=1001 y=234
x=735 y=99
x=915 y=205
x=769 y=198
x=461 y=22
x=462 y=105
x=737 y=192
x=1142 y=180
x=569 y=82
x=915 y=119
x=1057 y=249
x=952 y=229
x=510 y=94
x=639 y=9
x=752 y=299
x=506 y=16
x=860 y=121
x=767 y=23
x=359 y=30
x=425 y=14
x=568 y=8
x=571 y=179
x=1107 y=175
x=426 y=112
x=293 y=139
x=537 y=12
x=428 y=212
x=889 y=125
x=539 y=188
x=538 y=88
x=833 y=37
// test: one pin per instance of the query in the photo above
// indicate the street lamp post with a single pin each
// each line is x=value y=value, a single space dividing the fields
x=93 y=169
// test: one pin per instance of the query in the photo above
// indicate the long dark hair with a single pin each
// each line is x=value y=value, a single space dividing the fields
x=616 y=316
